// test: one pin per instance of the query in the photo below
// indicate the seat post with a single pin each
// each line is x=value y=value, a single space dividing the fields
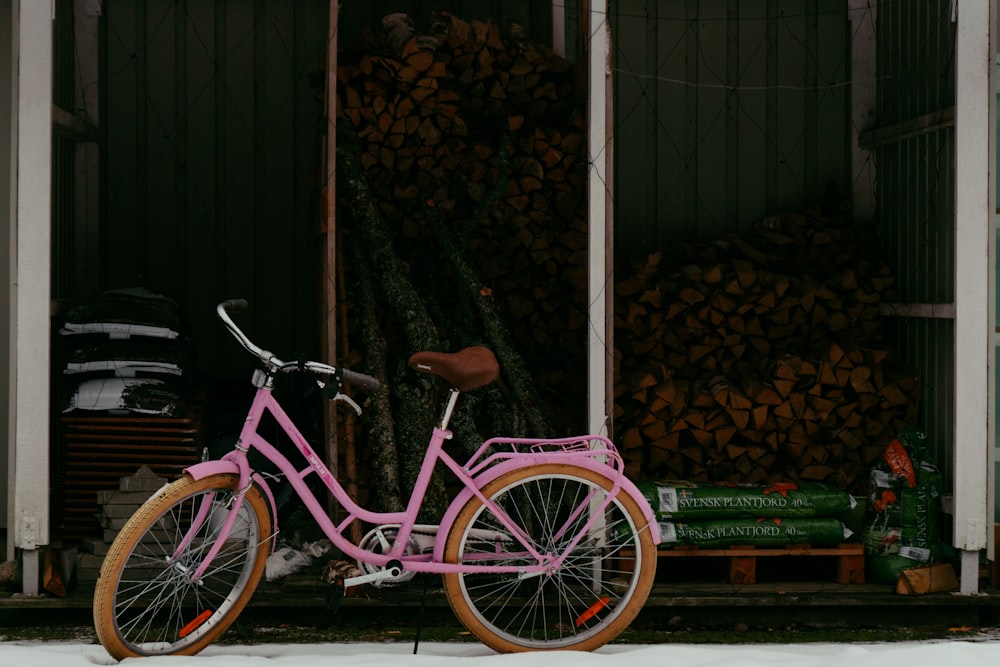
x=449 y=408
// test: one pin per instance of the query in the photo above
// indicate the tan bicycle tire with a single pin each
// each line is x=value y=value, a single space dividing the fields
x=604 y=631
x=129 y=542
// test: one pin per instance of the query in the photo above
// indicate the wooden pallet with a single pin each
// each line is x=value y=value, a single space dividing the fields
x=743 y=559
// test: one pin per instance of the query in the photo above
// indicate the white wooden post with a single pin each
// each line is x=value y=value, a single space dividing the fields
x=28 y=362
x=599 y=344
x=7 y=143
x=974 y=291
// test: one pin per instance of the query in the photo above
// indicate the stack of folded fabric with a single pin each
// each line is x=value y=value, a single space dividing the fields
x=127 y=354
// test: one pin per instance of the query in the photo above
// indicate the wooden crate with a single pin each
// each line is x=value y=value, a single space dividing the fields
x=850 y=559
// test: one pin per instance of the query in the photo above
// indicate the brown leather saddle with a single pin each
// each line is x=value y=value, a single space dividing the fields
x=467 y=369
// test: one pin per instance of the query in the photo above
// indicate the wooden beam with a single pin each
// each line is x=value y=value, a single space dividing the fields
x=925 y=310
x=329 y=230
x=68 y=125
x=912 y=127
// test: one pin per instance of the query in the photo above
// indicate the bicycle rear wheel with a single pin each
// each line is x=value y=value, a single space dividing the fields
x=145 y=602
x=582 y=605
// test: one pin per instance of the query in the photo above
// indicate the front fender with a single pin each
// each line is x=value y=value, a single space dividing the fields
x=221 y=467
x=626 y=485
x=215 y=467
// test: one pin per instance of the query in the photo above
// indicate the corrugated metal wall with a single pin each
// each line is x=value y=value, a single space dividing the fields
x=915 y=194
x=209 y=150
x=63 y=149
x=723 y=111
x=208 y=163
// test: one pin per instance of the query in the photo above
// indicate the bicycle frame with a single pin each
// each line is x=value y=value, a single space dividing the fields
x=590 y=452
x=546 y=544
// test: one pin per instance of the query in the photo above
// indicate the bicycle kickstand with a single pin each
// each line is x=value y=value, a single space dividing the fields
x=335 y=593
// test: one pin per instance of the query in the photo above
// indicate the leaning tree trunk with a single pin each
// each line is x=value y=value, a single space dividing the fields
x=511 y=362
x=381 y=430
x=386 y=269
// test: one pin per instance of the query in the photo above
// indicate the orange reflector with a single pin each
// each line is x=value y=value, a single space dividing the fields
x=193 y=625
x=592 y=611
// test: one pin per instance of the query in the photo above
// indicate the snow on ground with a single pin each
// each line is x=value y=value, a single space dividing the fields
x=945 y=653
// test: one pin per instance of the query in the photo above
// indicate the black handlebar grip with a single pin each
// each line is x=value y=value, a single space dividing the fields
x=360 y=379
x=235 y=305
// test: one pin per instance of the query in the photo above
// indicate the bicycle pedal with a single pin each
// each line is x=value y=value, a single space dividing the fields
x=335 y=593
x=342 y=568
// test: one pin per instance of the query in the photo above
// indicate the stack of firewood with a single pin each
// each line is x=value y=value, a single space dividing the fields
x=746 y=359
x=476 y=129
x=760 y=359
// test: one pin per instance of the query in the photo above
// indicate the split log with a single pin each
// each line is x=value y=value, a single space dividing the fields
x=781 y=332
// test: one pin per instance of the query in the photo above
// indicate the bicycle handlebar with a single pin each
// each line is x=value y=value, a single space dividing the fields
x=239 y=305
x=234 y=305
x=362 y=380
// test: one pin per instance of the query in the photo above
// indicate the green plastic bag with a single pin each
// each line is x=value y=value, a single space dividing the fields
x=687 y=501
x=814 y=531
x=902 y=530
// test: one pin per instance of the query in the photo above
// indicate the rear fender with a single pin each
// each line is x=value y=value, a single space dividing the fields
x=207 y=468
x=586 y=462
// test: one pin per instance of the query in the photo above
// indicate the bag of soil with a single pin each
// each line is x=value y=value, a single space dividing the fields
x=902 y=530
x=814 y=531
x=688 y=501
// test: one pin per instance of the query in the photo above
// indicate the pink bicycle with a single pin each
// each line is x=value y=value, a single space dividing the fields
x=547 y=545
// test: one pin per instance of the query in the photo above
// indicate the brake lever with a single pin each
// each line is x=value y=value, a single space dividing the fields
x=336 y=395
x=350 y=401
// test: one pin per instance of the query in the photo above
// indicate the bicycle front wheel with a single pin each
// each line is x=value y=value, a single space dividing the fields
x=581 y=605
x=147 y=601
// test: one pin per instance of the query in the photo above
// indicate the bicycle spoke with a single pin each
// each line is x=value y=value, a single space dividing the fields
x=584 y=598
x=153 y=602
